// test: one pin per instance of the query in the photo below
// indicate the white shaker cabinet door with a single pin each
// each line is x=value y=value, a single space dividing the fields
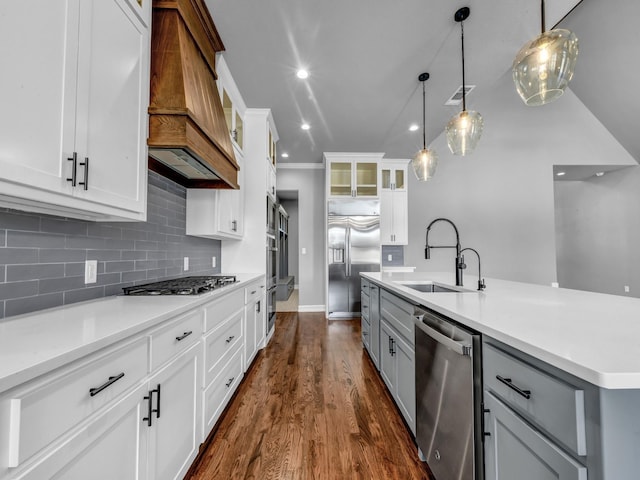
x=175 y=433
x=112 y=102
x=112 y=446
x=38 y=51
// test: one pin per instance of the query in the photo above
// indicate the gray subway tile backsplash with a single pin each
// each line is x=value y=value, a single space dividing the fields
x=42 y=257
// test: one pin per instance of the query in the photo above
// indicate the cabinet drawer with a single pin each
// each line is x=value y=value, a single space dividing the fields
x=365 y=301
x=221 y=309
x=399 y=314
x=46 y=409
x=216 y=396
x=174 y=338
x=366 y=332
x=554 y=406
x=365 y=285
x=219 y=343
x=253 y=292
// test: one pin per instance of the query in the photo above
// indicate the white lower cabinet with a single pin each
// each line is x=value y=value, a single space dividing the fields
x=172 y=413
x=137 y=410
x=107 y=448
x=513 y=449
x=254 y=321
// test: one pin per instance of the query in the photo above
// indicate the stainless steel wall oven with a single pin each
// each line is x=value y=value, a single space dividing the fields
x=272 y=260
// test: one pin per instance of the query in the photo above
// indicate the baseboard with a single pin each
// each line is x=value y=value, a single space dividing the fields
x=311 y=308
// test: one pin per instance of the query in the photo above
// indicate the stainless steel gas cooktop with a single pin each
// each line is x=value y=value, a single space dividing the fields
x=182 y=286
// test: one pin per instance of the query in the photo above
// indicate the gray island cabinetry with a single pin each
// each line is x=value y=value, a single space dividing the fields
x=560 y=389
x=543 y=423
x=387 y=334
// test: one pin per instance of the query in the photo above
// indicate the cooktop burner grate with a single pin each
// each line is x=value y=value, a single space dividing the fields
x=182 y=286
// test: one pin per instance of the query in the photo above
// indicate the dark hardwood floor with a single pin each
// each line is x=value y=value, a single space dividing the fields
x=312 y=407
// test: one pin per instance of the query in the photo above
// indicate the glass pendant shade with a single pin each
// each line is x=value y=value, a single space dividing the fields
x=464 y=131
x=424 y=164
x=543 y=67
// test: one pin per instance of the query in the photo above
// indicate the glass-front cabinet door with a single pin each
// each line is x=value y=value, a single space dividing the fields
x=393 y=175
x=353 y=174
x=340 y=175
x=366 y=179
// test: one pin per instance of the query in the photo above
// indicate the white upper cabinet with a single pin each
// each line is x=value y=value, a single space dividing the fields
x=217 y=213
x=78 y=90
x=352 y=174
x=394 y=218
x=232 y=103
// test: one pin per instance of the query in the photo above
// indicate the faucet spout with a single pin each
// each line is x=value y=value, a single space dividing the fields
x=481 y=284
x=459 y=261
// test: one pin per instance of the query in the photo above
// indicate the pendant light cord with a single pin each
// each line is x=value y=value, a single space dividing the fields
x=544 y=28
x=424 y=127
x=464 y=88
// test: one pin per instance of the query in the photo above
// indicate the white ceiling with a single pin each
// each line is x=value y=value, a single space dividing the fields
x=364 y=57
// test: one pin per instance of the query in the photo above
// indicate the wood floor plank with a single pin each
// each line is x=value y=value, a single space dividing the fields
x=312 y=407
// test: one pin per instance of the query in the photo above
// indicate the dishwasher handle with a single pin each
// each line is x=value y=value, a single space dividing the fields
x=460 y=348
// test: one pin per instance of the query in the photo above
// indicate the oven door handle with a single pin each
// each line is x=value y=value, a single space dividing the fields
x=458 y=347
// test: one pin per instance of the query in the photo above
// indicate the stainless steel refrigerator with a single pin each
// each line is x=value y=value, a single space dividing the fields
x=353 y=242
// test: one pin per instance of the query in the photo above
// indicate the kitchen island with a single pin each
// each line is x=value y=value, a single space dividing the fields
x=579 y=350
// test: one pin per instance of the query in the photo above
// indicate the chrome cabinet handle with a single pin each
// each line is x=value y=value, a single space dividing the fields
x=85 y=164
x=74 y=169
x=234 y=225
x=94 y=391
x=507 y=381
x=184 y=335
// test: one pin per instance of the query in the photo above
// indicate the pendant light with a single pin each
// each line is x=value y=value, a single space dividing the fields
x=424 y=163
x=544 y=66
x=464 y=130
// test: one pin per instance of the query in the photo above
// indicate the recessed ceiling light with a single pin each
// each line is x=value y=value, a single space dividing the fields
x=413 y=127
x=559 y=174
x=599 y=174
x=305 y=126
x=285 y=155
x=302 y=73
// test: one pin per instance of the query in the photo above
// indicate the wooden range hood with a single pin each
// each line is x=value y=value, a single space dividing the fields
x=188 y=137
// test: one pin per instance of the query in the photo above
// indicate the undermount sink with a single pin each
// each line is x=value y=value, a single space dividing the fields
x=432 y=288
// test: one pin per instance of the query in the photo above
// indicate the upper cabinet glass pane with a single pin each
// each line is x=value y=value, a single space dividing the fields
x=227 y=106
x=386 y=178
x=239 y=130
x=367 y=179
x=399 y=179
x=341 y=178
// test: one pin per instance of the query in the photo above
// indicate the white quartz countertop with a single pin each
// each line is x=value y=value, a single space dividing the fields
x=593 y=336
x=36 y=343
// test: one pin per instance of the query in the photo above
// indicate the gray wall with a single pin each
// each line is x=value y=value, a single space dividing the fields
x=501 y=196
x=310 y=185
x=291 y=206
x=598 y=233
x=42 y=257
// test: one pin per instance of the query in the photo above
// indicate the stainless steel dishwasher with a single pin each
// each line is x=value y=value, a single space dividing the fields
x=448 y=397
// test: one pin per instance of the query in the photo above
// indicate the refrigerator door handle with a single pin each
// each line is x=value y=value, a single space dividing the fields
x=347 y=247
